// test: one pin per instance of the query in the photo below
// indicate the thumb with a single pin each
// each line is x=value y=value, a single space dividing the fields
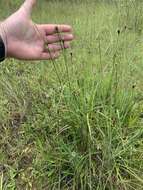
x=28 y=6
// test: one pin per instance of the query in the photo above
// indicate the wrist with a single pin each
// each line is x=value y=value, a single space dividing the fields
x=3 y=38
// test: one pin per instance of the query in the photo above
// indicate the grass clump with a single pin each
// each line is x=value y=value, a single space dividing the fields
x=82 y=129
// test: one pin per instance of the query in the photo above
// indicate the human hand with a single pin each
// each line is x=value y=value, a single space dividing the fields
x=26 y=40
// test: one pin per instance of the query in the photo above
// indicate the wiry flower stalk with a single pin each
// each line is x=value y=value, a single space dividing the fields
x=66 y=65
x=51 y=59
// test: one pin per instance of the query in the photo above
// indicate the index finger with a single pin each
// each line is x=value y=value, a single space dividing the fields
x=54 y=28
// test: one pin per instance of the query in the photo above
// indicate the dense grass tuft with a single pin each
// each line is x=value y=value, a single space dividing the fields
x=76 y=123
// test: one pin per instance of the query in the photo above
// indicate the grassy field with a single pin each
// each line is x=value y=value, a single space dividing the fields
x=76 y=123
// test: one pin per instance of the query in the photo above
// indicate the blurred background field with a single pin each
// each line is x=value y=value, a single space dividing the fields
x=76 y=123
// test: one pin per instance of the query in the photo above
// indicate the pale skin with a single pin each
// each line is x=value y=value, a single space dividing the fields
x=25 y=40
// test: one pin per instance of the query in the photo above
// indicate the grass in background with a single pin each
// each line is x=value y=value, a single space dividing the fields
x=85 y=132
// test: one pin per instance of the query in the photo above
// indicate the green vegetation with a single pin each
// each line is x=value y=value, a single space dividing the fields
x=76 y=123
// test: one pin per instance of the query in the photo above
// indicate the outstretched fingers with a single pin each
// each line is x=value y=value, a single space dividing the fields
x=55 y=38
x=49 y=56
x=56 y=47
x=53 y=35
x=52 y=51
x=53 y=28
